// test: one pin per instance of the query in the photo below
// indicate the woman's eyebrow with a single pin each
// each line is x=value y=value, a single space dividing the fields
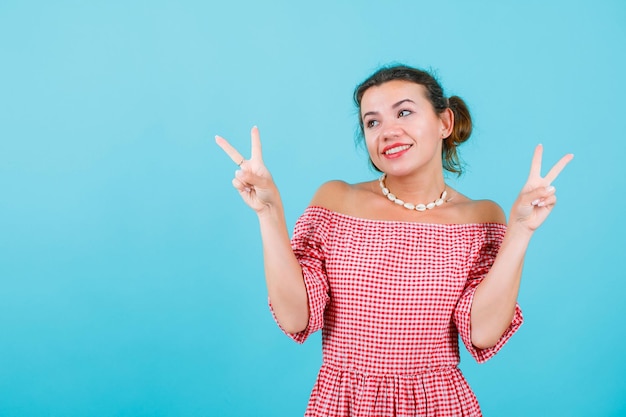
x=396 y=105
x=399 y=103
x=369 y=113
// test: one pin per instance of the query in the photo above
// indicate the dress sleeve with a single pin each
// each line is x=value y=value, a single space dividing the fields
x=309 y=246
x=483 y=262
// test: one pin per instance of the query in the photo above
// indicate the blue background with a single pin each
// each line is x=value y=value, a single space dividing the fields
x=131 y=280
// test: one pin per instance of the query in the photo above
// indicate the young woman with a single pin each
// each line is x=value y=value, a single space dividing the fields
x=394 y=270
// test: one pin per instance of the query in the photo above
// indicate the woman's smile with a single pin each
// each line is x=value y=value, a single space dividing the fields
x=395 y=151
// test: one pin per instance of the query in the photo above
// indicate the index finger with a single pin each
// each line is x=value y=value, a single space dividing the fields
x=558 y=167
x=230 y=151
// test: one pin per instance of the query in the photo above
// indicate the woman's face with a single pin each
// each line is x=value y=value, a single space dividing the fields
x=402 y=132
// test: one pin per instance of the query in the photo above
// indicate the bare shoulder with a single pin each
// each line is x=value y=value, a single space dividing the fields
x=481 y=211
x=364 y=200
x=477 y=211
x=489 y=212
x=331 y=195
x=342 y=197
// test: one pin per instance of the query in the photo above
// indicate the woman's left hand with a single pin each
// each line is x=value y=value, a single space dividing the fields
x=537 y=198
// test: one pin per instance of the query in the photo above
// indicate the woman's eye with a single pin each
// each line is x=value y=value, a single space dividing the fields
x=371 y=123
x=403 y=113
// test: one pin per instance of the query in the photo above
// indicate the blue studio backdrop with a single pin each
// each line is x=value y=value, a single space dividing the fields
x=131 y=273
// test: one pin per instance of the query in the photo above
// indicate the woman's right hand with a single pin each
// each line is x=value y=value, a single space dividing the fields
x=253 y=180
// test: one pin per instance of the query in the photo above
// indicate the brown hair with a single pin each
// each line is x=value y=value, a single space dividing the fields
x=434 y=93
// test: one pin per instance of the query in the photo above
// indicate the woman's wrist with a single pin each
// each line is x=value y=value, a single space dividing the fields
x=519 y=232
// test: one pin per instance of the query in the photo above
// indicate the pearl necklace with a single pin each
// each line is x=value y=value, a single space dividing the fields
x=418 y=207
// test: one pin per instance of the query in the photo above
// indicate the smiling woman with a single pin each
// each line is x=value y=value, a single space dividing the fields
x=395 y=270
x=433 y=92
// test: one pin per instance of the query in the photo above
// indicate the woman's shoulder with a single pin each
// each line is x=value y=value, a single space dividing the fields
x=334 y=195
x=362 y=200
x=479 y=211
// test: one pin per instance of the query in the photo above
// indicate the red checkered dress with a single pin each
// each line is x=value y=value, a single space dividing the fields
x=391 y=299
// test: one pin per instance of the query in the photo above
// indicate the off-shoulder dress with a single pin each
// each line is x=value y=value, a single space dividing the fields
x=391 y=299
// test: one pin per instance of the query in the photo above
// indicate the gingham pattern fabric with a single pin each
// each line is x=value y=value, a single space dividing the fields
x=392 y=299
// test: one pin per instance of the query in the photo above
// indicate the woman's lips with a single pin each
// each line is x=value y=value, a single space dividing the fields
x=396 y=150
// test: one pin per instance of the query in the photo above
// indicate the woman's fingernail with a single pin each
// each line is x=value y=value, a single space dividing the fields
x=550 y=189
x=535 y=202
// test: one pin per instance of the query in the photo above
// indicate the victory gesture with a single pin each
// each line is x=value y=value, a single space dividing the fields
x=341 y=274
x=253 y=181
x=537 y=198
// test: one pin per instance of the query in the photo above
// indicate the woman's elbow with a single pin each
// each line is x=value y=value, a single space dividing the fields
x=294 y=325
x=484 y=341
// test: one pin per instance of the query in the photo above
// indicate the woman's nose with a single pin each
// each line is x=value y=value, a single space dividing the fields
x=391 y=131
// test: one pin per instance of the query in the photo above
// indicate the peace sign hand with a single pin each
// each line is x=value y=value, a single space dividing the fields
x=253 y=181
x=537 y=198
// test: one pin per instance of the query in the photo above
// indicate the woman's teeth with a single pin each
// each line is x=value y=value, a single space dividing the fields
x=397 y=149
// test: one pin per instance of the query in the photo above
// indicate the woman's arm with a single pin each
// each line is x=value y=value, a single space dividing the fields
x=283 y=274
x=493 y=305
x=495 y=298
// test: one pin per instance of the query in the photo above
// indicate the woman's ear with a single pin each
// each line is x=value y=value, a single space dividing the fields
x=447 y=122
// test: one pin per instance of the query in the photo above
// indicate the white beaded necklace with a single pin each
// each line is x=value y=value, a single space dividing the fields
x=410 y=206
